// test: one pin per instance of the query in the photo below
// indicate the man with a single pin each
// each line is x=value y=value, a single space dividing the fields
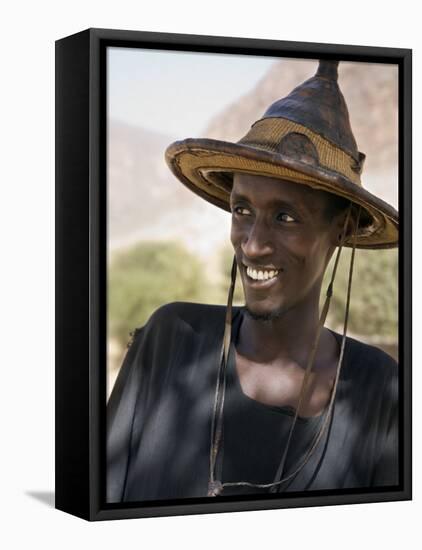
x=215 y=401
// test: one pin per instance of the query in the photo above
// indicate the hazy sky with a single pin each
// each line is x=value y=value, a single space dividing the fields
x=177 y=93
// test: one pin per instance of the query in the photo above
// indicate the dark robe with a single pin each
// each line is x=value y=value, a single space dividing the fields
x=159 y=417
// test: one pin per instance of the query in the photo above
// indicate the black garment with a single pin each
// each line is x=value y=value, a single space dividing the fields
x=159 y=417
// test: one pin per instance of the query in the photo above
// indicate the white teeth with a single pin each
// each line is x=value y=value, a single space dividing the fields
x=261 y=275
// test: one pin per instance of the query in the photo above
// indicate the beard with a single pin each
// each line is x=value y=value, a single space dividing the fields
x=263 y=317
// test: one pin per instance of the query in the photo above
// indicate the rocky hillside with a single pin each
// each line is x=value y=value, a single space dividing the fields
x=146 y=202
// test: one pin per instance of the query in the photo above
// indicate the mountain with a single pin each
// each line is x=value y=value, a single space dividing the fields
x=146 y=202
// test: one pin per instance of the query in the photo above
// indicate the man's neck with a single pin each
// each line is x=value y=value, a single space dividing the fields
x=284 y=339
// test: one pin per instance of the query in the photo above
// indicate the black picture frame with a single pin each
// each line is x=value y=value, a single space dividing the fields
x=81 y=269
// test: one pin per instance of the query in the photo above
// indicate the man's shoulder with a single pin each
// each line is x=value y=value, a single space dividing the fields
x=368 y=359
x=197 y=316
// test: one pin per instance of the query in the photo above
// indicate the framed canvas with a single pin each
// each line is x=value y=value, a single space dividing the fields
x=184 y=163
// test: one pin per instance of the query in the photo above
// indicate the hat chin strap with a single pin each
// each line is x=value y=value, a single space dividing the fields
x=215 y=486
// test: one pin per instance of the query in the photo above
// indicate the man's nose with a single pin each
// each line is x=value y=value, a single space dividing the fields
x=257 y=241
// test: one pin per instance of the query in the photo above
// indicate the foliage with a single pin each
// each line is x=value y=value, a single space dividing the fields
x=374 y=294
x=147 y=276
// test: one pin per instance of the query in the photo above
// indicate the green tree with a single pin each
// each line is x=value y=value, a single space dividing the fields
x=147 y=276
x=374 y=295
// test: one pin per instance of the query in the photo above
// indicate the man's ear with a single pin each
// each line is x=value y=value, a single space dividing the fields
x=343 y=225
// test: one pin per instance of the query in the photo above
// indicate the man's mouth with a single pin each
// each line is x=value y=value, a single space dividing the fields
x=260 y=277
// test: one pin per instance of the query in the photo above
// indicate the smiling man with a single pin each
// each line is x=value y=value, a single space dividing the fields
x=283 y=236
x=215 y=401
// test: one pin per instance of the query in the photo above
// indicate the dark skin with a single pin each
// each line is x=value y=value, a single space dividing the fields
x=280 y=226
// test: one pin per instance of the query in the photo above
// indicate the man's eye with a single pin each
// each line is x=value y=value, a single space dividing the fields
x=284 y=217
x=241 y=210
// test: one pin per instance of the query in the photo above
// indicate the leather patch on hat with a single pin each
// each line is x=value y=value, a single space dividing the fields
x=299 y=147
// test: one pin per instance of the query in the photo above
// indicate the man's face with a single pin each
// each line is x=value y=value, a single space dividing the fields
x=282 y=241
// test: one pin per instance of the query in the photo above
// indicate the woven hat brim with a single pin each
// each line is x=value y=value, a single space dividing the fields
x=206 y=167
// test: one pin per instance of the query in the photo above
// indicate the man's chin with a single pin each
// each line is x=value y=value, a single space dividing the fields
x=268 y=315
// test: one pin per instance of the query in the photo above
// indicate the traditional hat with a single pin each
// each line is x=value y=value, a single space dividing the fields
x=305 y=138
